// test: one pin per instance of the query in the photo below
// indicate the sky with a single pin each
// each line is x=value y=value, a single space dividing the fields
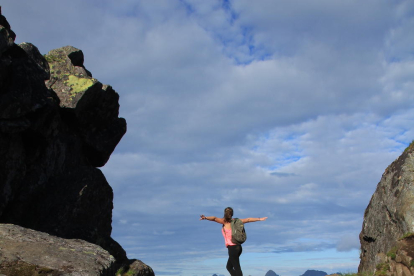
x=286 y=109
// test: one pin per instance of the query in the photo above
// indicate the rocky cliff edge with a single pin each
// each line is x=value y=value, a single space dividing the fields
x=57 y=125
x=390 y=214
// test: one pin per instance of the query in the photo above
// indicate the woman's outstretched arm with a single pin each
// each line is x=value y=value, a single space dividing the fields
x=216 y=219
x=247 y=220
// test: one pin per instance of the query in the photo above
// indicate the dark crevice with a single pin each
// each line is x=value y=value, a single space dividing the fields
x=368 y=239
x=390 y=216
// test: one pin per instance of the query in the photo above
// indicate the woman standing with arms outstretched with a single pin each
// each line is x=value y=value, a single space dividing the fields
x=235 y=250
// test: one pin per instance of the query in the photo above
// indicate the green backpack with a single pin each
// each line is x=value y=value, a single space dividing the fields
x=238 y=233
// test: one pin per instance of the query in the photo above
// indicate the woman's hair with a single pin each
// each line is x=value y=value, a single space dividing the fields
x=228 y=214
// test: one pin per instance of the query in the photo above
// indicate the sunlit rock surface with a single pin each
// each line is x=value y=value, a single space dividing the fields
x=28 y=252
x=390 y=213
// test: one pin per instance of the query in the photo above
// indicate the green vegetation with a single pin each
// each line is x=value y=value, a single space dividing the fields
x=53 y=58
x=410 y=147
x=412 y=263
x=392 y=253
x=121 y=272
x=357 y=274
x=350 y=274
x=407 y=235
x=382 y=269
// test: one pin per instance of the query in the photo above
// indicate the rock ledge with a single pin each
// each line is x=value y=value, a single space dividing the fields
x=28 y=252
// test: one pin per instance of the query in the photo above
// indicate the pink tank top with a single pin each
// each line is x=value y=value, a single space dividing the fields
x=227 y=236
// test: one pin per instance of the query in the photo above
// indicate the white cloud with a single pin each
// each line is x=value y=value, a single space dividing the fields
x=279 y=109
x=348 y=243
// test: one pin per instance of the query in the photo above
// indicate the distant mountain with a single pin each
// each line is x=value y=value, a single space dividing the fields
x=271 y=273
x=314 y=273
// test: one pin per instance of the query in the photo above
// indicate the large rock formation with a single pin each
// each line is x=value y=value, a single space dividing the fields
x=57 y=124
x=390 y=213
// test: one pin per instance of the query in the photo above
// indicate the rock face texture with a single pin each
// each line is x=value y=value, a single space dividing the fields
x=28 y=252
x=401 y=257
x=399 y=261
x=135 y=268
x=57 y=125
x=390 y=213
x=93 y=107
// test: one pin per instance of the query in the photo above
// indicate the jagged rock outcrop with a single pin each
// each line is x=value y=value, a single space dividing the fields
x=93 y=107
x=57 y=125
x=28 y=252
x=390 y=213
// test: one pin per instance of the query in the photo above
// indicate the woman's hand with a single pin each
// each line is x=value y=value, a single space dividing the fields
x=202 y=217
x=262 y=219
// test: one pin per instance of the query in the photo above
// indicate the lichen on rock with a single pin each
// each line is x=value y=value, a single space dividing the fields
x=69 y=77
x=78 y=84
x=92 y=105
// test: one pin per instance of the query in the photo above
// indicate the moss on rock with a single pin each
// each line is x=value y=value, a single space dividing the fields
x=51 y=58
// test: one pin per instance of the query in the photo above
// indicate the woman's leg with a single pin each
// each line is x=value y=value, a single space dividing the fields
x=229 y=267
x=233 y=264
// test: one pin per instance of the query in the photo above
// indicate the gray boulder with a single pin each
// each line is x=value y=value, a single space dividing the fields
x=27 y=252
x=390 y=213
x=135 y=268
